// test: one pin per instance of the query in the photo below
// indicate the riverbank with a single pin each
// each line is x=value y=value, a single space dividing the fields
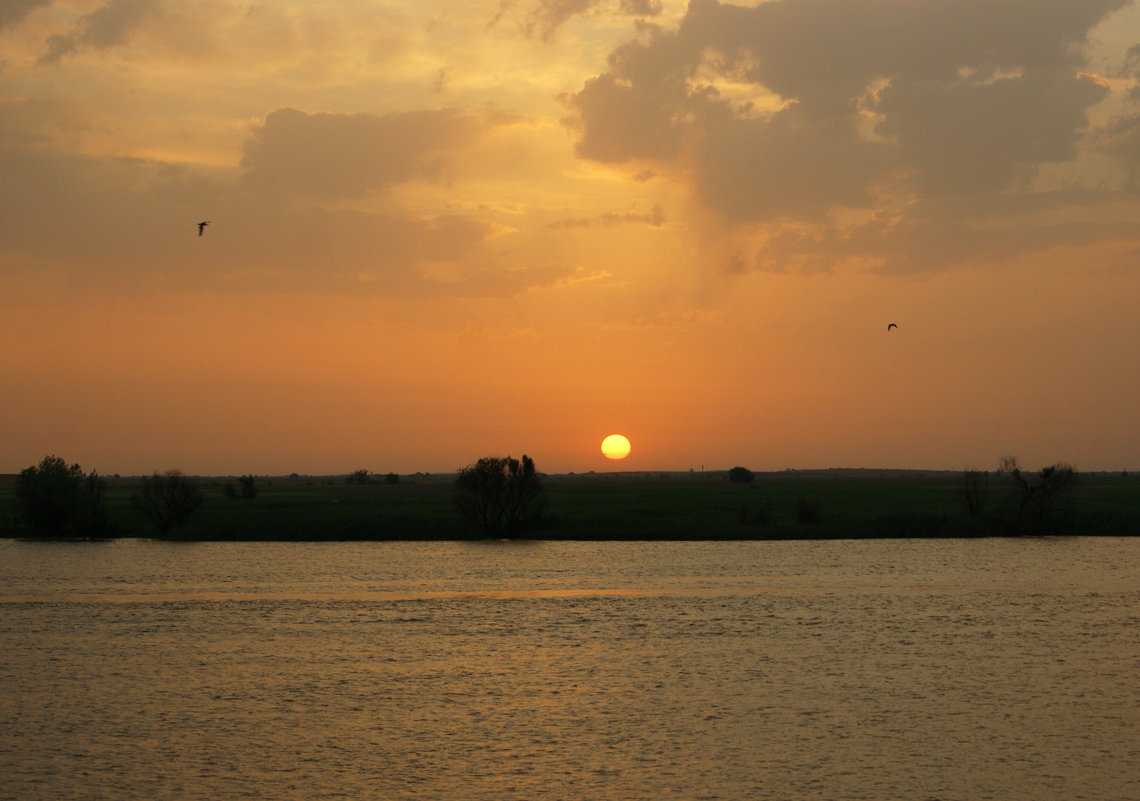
x=794 y=504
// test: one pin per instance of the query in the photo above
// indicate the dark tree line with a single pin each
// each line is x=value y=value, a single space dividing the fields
x=57 y=500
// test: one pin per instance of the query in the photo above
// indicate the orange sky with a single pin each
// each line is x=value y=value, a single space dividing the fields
x=443 y=230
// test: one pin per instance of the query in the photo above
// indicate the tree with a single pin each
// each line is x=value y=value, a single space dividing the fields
x=500 y=496
x=247 y=488
x=168 y=500
x=58 y=500
x=740 y=475
x=1035 y=492
x=975 y=490
x=358 y=477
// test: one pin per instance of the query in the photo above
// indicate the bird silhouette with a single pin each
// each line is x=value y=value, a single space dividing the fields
x=890 y=326
x=202 y=226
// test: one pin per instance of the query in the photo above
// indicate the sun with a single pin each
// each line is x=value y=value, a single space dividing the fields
x=615 y=446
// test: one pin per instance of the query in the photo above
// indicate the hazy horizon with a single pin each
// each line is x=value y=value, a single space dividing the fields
x=439 y=232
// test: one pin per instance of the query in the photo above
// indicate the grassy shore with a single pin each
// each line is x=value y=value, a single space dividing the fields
x=800 y=504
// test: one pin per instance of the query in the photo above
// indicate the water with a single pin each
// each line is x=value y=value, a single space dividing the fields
x=925 y=669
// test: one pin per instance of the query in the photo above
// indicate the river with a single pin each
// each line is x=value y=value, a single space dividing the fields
x=872 y=669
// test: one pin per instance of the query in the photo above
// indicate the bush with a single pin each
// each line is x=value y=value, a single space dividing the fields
x=358 y=477
x=740 y=475
x=60 y=501
x=247 y=488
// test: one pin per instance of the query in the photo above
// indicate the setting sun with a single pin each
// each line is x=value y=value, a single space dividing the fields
x=615 y=446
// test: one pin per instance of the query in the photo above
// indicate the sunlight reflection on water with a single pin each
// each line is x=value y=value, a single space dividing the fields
x=862 y=670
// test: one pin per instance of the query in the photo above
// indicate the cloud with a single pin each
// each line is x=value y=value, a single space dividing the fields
x=971 y=136
x=114 y=225
x=547 y=16
x=795 y=110
x=106 y=27
x=656 y=219
x=12 y=11
x=349 y=155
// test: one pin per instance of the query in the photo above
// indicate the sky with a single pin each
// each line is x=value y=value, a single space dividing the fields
x=440 y=231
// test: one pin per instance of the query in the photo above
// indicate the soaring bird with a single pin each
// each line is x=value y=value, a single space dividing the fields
x=890 y=326
x=202 y=226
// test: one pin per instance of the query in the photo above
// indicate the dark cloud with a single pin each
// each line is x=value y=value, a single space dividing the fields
x=348 y=155
x=940 y=233
x=970 y=136
x=785 y=166
x=12 y=11
x=106 y=27
x=938 y=98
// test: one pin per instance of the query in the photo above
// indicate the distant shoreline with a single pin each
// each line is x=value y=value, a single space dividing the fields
x=833 y=503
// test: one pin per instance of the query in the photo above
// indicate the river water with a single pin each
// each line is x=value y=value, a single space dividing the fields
x=876 y=669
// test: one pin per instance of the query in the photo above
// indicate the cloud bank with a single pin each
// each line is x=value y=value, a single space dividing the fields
x=798 y=117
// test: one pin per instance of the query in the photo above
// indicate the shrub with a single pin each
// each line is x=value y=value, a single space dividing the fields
x=246 y=489
x=358 y=477
x=740 y=475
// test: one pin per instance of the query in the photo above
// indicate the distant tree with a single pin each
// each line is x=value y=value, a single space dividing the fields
x=392 y=478
x=359 y=477
x=248 y=485
x=58 y=500
x=168 y=500
x=1035 y=492
x=975 y=490
x=500 y=496
x=740 y=475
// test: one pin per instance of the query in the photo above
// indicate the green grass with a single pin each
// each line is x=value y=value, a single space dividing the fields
x=849 y=504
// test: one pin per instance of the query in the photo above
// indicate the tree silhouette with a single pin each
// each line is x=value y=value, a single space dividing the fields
x=248 y=486
x=975 y=489
x=168 y=500
x=58 y=500
x=500 y=496
x=740 y=475
x=1035 y=492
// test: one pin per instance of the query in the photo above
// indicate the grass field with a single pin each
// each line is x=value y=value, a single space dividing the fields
x=786 y=505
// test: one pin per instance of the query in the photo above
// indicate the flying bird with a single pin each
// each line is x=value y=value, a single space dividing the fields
x=890 y=326
x=202 y=226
